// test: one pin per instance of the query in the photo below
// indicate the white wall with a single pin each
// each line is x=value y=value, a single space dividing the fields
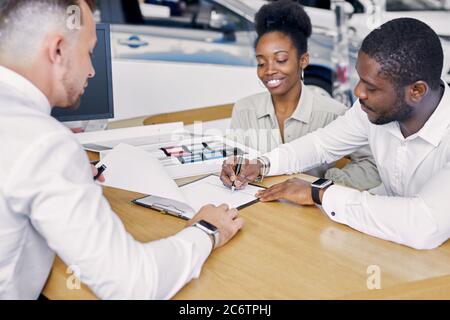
x=147 y=87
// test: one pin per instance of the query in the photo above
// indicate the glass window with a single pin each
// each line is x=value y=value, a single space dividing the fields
x=417 y=5
x=192 y=14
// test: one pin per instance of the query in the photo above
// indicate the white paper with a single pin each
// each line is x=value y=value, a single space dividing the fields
x=211 y=190
x=134 y=169
x=106 y=136
x=131 y=168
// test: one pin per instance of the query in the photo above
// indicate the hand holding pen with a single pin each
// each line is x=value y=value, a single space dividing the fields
x=248 y=171
x=237 y=171
x=97 y=172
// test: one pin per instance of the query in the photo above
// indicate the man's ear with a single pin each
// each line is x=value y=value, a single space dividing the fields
x=417 y=91
x=55 y=48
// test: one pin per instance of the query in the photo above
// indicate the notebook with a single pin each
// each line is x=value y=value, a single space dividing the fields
x=131 y=168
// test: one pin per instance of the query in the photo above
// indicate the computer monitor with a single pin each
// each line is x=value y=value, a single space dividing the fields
x=97 y=101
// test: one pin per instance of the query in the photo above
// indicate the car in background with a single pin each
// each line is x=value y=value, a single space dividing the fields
x=207 y=31
x=217 y=34
x=366 y=16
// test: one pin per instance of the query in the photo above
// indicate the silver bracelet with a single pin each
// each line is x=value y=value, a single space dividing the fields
x=265 y=167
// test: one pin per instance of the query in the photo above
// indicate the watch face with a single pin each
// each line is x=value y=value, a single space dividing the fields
x=208 y=225
x=321 y=183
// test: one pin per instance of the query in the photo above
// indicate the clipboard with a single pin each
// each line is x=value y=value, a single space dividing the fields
x=182 y=210
x=163 y=205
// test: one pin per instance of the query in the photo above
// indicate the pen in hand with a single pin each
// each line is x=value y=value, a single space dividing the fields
x=237 y=171
x=100 y=170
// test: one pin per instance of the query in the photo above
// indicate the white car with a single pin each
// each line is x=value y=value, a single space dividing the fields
x=201 y=57
x=369 y=14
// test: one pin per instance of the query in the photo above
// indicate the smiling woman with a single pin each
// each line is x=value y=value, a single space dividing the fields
x=289 y=109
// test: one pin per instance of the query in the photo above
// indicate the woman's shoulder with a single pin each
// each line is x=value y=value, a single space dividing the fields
x=323 y=104
x=253 y=102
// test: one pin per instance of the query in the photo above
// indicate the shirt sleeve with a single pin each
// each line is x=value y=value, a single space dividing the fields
x=52 y=184
x=361 y=173
x=420 y=222
x=341 y=137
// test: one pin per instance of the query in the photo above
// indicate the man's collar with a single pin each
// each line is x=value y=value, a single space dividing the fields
x=435 y=129
x=437 y=125
x=27 y=89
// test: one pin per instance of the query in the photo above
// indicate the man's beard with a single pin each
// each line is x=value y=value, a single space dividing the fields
x=400 y=111
x=72 y=94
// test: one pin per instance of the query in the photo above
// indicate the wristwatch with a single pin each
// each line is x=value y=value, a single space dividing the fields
x=318 y=185
x=210 y=229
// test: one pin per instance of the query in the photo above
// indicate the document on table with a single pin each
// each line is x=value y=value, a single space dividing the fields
x=134 y=169
x=211 y=190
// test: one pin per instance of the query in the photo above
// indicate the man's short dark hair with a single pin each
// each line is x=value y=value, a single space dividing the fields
x=408 y=50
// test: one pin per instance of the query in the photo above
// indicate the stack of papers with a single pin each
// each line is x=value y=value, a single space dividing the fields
x=131 y=168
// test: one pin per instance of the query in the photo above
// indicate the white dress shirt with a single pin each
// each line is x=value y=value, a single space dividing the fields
x=255 y=124
x=412 y=206
x=50 y=204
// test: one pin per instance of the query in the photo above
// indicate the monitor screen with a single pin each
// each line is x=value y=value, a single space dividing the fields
x=97 y=101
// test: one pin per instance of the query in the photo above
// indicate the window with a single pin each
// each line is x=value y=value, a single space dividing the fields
x=417 y=5
x=194 y=14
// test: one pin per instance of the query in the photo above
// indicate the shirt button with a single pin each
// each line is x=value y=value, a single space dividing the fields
x=333 y=213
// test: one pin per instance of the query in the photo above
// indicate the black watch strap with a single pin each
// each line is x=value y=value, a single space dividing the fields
x=318 y=185
x=315 y=195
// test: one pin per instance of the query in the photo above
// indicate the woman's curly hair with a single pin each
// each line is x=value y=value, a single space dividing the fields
x=287 y=17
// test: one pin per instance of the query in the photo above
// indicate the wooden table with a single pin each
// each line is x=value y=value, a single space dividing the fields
x=285 y=251
x=437 y=288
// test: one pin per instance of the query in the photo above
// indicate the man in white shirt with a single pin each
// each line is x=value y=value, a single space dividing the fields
x=403 y=113
x=48 y=201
